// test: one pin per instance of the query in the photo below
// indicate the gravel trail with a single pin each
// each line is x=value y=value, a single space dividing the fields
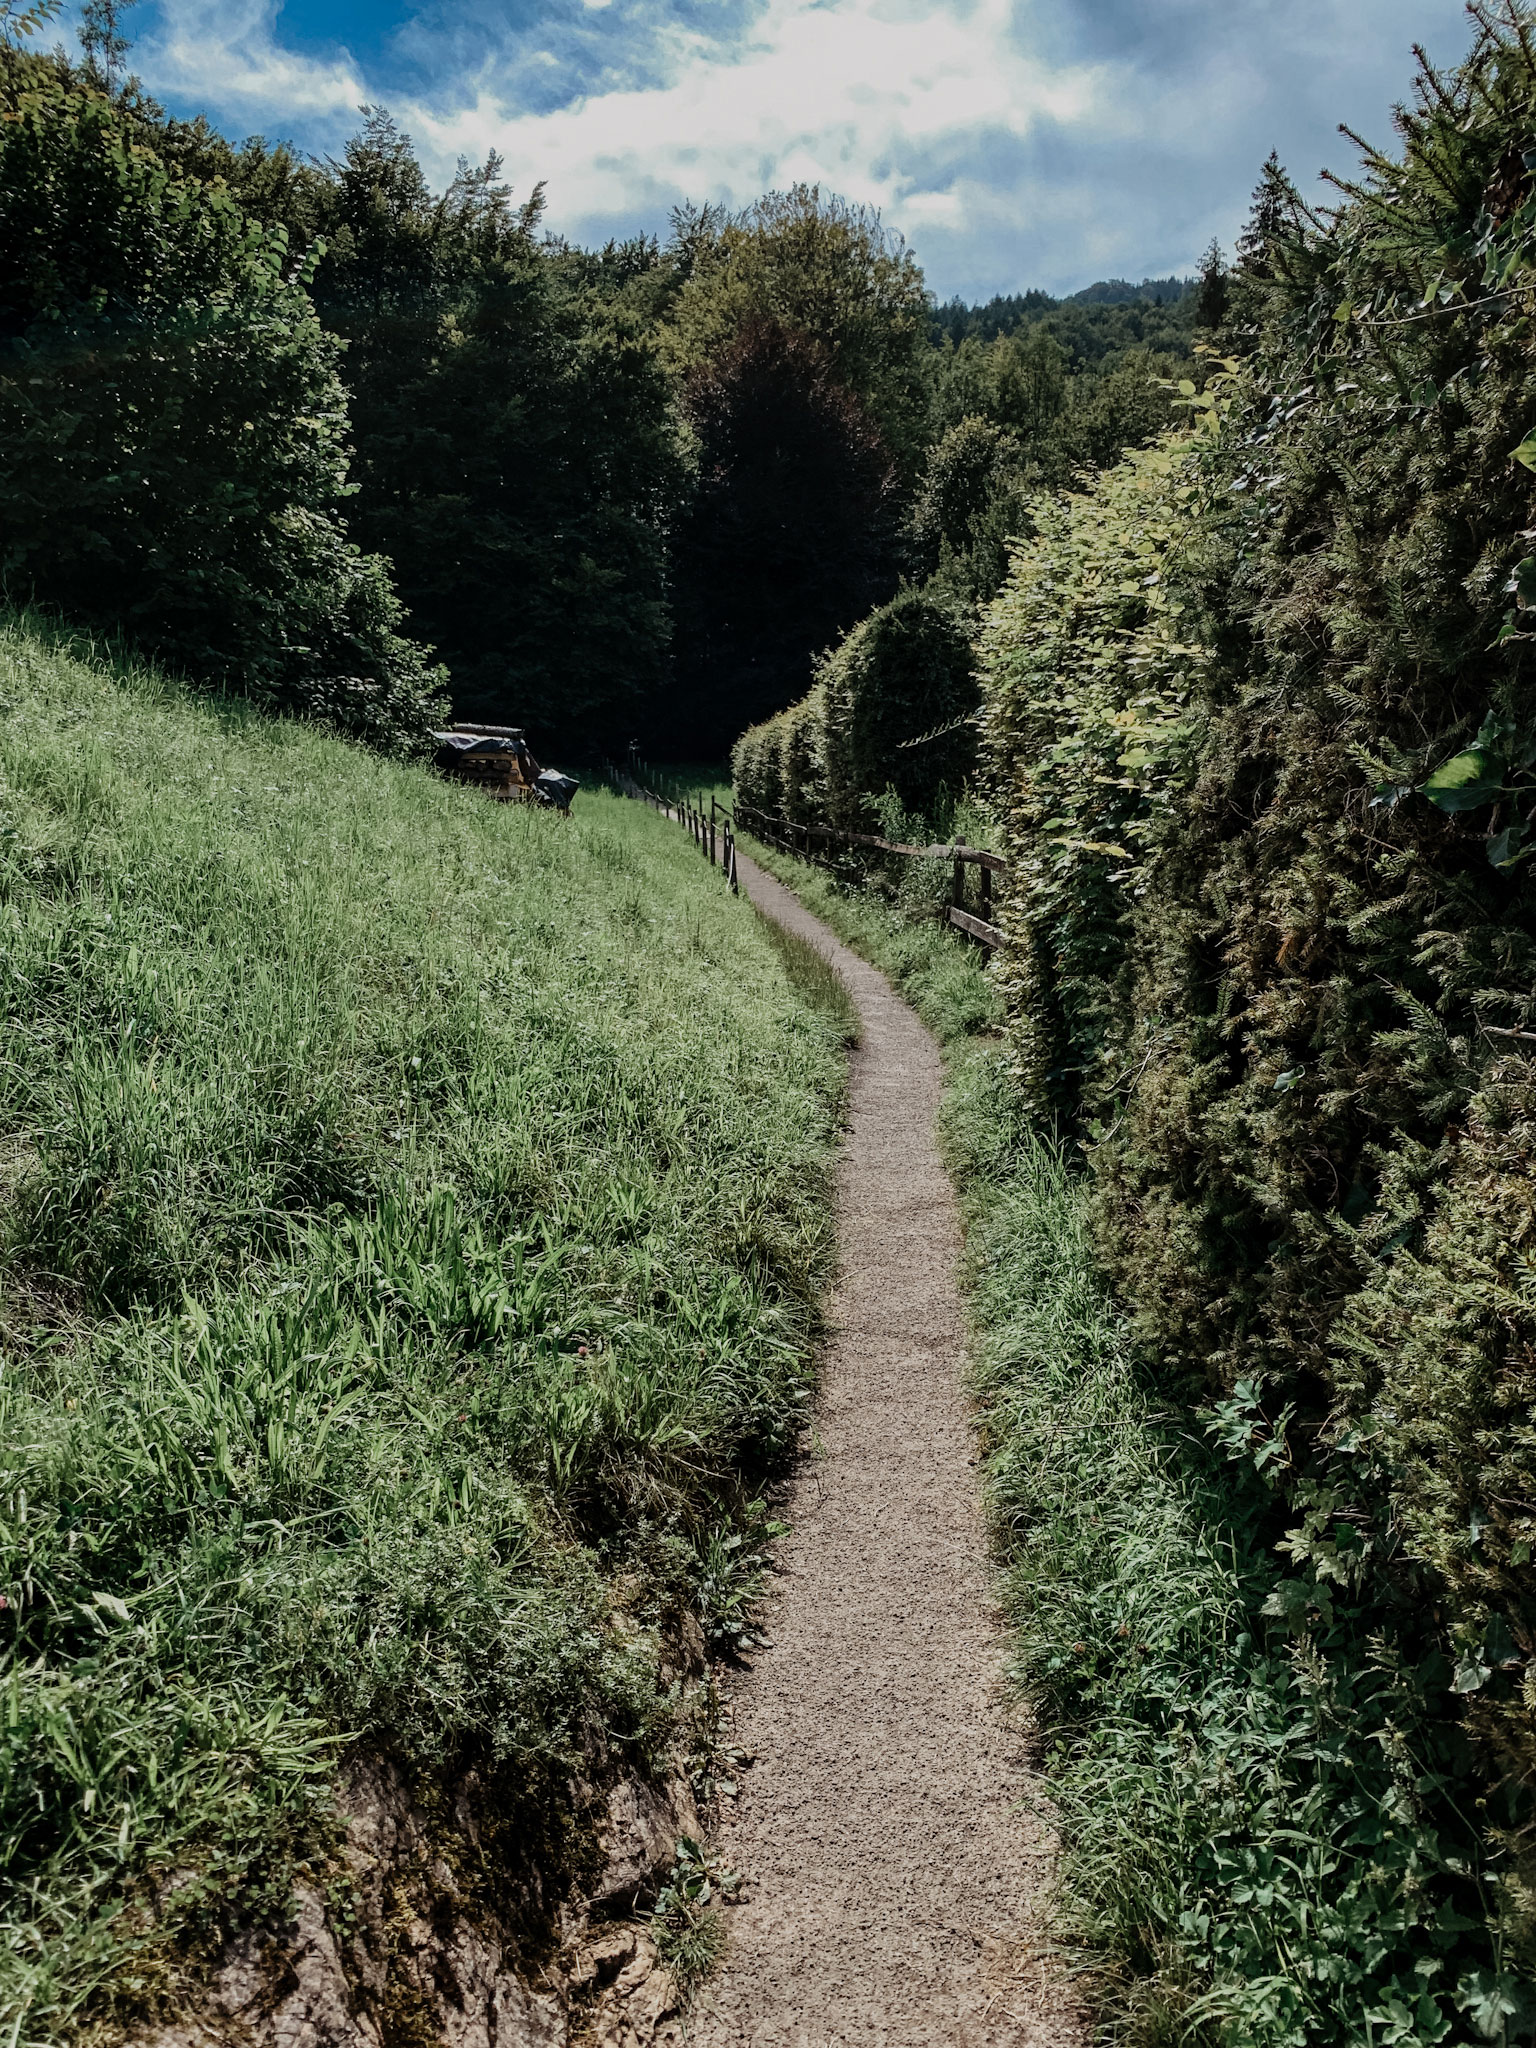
x=893 y=1876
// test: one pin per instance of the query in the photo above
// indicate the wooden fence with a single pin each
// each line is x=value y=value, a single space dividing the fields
x=714 y=833
x=815 y=843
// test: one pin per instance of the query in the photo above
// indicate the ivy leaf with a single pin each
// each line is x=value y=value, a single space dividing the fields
x=1472 y=1674
x=1508 y=847
x=1526 y=452
x=1466 y=781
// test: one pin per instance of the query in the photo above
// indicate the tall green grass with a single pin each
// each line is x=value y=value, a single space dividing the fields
x=1258 y=1845
x=416 y=1218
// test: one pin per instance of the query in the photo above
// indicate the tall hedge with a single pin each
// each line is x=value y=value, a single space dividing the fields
x=893 y=709
x=1275 y=957
x=173 y=433
x=1088 y=674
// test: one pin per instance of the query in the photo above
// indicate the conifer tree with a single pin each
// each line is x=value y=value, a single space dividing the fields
x=1211 y=292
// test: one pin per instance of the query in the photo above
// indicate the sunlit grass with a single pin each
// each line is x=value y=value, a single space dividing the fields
x=416 y=1218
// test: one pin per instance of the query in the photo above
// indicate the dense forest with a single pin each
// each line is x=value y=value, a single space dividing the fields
x=388 y=446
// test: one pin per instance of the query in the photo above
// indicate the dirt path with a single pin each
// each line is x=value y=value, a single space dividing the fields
x=892 y=1876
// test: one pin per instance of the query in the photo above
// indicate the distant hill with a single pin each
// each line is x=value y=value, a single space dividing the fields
x=1119 y=291
x=1099 y=320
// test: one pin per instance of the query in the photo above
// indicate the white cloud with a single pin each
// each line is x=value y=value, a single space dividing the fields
x=223 y=55
x=1015 y=141
x=843 y=94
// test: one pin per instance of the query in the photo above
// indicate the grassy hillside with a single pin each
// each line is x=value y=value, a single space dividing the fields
x=415 y=1214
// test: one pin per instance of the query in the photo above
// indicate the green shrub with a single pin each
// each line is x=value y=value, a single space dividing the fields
x=757 y=769
x=1290 y=1012
x=801 y=732
x=1251 y=1856
x=903 y=674
x=1088 y=675
x=172 y=428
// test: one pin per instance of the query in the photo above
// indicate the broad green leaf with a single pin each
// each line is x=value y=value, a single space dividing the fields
x=1526 y=452
x=1471 y=1675
x=1490 y=2000
x=1507 y=847
x=1523 y=582
x=1466 y=781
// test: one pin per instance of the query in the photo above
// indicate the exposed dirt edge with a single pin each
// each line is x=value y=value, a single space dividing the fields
x=402 y=1945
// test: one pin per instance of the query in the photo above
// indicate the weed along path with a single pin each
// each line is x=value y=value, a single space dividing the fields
x=892 y=1876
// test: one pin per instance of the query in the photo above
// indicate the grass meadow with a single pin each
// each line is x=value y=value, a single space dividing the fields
x=415 y=1215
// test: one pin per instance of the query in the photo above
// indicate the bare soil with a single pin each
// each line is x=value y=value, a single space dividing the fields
x=890 y=1831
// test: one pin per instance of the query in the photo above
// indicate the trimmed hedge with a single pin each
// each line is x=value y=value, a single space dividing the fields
x=904 y=674
x=1274 y=957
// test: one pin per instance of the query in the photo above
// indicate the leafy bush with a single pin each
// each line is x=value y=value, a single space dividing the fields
x=801 y=732
x=1276 y=945
x=757 y=769
x=172 y=428
x=1254 y=1851
x=1088 y=677
x=904 y=675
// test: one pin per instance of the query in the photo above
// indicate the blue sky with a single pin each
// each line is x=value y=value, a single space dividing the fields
x=1013 y=142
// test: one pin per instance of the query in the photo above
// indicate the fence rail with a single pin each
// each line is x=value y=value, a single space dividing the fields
x=713 y=831
x=808 y=842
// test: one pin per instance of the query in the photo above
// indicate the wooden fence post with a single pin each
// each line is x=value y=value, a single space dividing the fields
x=959 y=890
